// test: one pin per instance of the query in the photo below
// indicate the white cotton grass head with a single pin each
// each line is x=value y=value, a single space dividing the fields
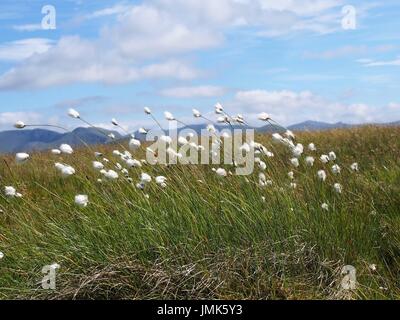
x=1 y=255
x=59 y=166
x=354 y=166
x=10 y=191
x=295 y=162
x=64 y=169
x=277 y=138
x=289 y=134
x=239 y=119
x=297 y=151
x=196 y=113
x=325 y=206
x=81 y=200
x=67 y=171
x=161 y=181
x=312 y=147
x=73 y=113
x=97 y=165
x=332 y=156
x=110 y=175
x=221 y=172
x=21 y=157
x=147 y=110
x=182 y=141
x=56 y=151
x=291 y=175
x=19 y=125
x=133 y=163
x=218 y=108
x=310 y=161
x=335 y=169
x=338 y=187
x=263 y=116
x=143 y=131
x=372 y=267
x=145 y=178
x=324 y=158
x=169 y=116
x=321 y=174
x=114 y=122
x=134 y=144
x=222 y=119
x=262 y=165
x=66 y=148
x=173 y=154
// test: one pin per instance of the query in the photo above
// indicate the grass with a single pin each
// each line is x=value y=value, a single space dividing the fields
x=214 y=239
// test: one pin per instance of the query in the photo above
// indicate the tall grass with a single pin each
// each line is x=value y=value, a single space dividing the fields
x=207 y=237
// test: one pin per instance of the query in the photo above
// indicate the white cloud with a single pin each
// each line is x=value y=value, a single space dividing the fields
x=28 y=27
x=194 y=92
x=117 y=9
x=148 y=40
x=76 y=60
x=147 y=32
x=372 y=63
x=394 y=106
x=289 y=107
x=23 y=49
x=7 y=119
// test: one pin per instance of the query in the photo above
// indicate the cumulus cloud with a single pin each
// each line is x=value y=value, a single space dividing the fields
x=194 y=92
x=289 y=107
x=147 y=40
x=23 y=49
x=77 y=60
x=7 y=119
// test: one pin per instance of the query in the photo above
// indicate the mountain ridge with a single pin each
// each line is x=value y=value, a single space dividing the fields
x=12 y=141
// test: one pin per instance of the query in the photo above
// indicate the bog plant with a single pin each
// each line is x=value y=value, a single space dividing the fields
x=122 y=225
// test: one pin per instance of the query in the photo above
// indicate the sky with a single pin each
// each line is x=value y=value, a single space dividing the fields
x=323 y=60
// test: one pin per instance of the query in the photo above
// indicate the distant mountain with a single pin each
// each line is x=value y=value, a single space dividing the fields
x=317 y=125
x=396 y=123
x=39 y=139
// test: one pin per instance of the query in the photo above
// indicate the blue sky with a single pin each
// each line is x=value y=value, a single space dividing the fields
x=292 y=59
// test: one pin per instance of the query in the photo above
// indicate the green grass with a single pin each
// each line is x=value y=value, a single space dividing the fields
x=214 y=239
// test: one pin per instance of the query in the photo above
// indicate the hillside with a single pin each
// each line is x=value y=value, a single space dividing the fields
x=204 y=235
x=39 y=139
